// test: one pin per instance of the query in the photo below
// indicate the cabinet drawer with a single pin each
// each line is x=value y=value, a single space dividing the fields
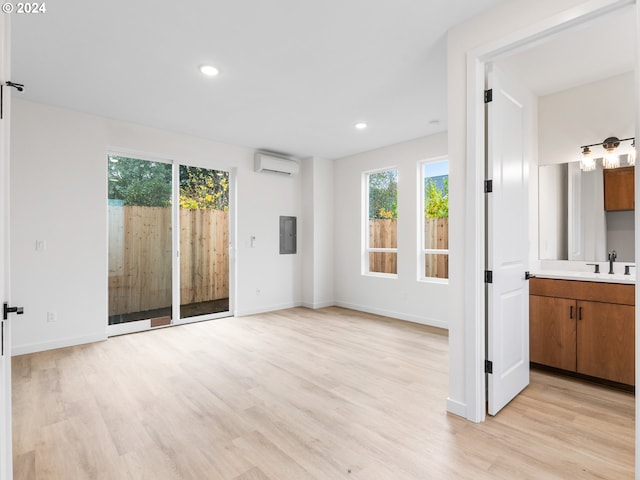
x=592 y=291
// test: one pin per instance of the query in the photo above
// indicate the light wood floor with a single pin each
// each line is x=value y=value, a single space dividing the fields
x=301 y=395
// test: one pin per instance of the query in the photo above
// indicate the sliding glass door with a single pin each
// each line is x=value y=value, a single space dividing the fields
x=204 y=241
x=168 y=244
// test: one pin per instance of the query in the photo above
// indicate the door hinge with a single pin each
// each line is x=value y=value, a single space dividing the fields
x=528 y=276
x=488 y=366
x=488 y=186
x=488 y=96
x=488 y=276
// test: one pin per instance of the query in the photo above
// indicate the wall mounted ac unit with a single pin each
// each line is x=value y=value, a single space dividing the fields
x=268 y=163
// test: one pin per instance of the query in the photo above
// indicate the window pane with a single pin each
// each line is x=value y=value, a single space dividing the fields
x=383 y=262
x=436 y=217
x=383 y=233
x=139 y=202
x=382 y=209
x=204 y=241
x=436 y=233
x=436 y=265
x=383 y=194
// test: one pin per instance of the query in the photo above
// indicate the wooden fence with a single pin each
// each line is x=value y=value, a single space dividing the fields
x=383 y=234
x=140 y=257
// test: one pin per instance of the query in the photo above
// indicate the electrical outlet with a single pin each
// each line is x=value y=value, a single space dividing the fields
x=51 y=317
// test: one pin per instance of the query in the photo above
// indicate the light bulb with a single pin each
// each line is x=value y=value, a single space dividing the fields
x=631 y=154
x=587 y=162
x=611 y=160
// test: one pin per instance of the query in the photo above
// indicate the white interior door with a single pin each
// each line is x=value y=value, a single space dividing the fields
x=507 y=240
x=5 y=335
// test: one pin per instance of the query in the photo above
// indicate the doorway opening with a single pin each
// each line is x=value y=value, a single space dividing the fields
x=169 y=240
x=477 y=60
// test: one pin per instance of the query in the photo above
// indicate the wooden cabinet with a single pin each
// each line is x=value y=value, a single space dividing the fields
x=606 y=341
x=583 y=327
x=619 y=189
x=552 y=332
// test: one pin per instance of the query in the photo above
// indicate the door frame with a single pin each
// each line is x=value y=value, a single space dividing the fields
x=475 y=302
x=145 y=325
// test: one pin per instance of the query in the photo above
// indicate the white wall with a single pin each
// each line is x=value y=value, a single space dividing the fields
x=508 y=23
x=58 y=177
x=585 y=115
x=318 y=204
x=403 y=297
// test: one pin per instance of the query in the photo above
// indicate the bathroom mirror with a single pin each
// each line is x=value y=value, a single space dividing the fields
x=572 y=222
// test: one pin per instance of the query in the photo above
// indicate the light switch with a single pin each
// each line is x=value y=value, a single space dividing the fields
x=253 y=241
x=41 y=245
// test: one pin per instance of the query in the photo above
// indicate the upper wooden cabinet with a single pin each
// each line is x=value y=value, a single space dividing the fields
x=619 y=189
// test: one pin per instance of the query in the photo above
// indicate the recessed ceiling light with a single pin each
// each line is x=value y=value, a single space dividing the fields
x=209 y=71
x=360 y=125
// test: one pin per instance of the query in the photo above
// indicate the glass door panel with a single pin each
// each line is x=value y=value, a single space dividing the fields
x=204 y=241
x=140 y=248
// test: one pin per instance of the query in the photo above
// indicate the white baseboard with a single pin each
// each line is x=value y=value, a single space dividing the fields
x=266 y=309
x=457 y=408
x=431 y=322
x=317 y=305
x=61 y=343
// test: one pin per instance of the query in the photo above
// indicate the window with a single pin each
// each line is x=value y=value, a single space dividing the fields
x=434 y=246
x=381 y=222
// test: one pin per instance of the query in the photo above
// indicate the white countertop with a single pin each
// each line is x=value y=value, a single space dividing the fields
x=586 y=276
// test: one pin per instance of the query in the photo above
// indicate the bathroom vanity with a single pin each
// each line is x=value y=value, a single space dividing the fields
x=584 y=323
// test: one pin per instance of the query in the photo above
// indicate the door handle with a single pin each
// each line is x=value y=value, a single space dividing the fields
x=7 y=310
x=571 y=312
x=580 y=313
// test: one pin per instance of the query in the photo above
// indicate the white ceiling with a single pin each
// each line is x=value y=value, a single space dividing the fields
x=295 y=75
x=598 y=49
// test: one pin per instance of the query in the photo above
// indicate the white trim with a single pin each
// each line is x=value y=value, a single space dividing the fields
x=60 y=343
x=366 y=249
x=637 y=238
x=456 y=408
x=317 y=305
x=200 y=318
x=128 y=327
x=267 y=309
x=474 y=331
x=380 y=275
x=422 y=252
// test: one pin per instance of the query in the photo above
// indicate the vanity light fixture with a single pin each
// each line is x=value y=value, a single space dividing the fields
x=631 y=154
x=587 y=162
x=611 y=156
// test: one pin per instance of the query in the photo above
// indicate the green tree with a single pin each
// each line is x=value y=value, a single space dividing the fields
x=383 y=194
x=201 y=188
x=139 y=182
x=436 y=199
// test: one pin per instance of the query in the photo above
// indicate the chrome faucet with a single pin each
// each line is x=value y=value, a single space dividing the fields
x=612 y=258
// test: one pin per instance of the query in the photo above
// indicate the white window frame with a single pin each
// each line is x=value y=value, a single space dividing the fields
x=366 y=248
x=423 y=252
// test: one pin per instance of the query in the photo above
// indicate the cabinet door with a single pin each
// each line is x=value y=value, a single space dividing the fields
x=552 y=331
x=619 y=189
x=606 y=341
